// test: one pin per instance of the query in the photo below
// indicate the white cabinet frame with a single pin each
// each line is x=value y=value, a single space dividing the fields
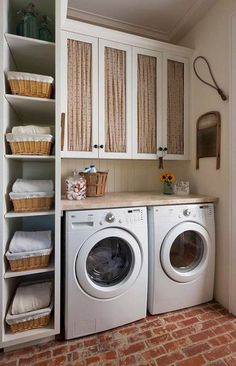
x=64 y=94
x=102 y=138
x=158 y=55
x=185 y=61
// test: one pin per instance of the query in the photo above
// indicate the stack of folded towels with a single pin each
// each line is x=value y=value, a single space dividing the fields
x=31 y=297
x=29 y=244
x=28 y=188
x=29 y=133
x=32 y=130
x=30 y=241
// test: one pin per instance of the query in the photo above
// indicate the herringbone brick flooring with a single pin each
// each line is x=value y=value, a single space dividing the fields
x=202 y=335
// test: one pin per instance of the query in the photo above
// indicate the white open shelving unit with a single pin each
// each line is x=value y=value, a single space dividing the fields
x=36 y=56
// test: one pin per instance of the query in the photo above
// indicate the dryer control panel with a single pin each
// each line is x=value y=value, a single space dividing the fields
x=192 y=212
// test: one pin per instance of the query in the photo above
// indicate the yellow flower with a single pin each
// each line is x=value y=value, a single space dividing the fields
x=163 y=177
x=167 y=177
x=170 y=177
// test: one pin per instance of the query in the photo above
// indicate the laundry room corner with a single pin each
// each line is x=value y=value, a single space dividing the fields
x=211 y=38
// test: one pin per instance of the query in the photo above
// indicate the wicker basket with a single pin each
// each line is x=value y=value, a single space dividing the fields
x=31 y=147
x=24 y=264
x=30 y=85
x=31 y=88
x=95 y=183
x=30 y=324
x=32 y=204
x=29 y=320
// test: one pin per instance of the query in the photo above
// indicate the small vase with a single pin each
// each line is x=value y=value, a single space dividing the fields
x=167 y=188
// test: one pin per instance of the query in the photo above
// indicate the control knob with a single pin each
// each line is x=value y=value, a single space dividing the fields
x=187 y=212
x=110 y=217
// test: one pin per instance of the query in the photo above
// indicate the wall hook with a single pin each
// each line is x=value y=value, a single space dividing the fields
x=215 y=86
x=161 y=154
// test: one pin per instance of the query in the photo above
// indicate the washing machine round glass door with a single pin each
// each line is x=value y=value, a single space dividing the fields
x=108 y=263
x=185 y=251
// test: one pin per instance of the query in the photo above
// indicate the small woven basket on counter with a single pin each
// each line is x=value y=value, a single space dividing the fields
x=95 y=183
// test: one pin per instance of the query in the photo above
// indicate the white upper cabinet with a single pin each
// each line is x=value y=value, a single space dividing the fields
x=97 y=82
x=79 y=96
x=124 y=96
x=114 y=100
x=147 y=103
x=175 y=106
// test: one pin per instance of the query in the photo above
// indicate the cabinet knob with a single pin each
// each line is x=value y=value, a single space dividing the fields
x=95 y=146
x=101 y=146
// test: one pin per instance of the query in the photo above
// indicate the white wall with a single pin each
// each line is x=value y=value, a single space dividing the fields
x=211 y=38
x=127 y=175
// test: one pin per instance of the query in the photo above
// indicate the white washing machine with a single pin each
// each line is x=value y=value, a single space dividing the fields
x=181 y=256
x=106 y=271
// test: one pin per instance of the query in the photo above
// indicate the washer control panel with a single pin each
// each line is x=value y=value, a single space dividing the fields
x=122 y=216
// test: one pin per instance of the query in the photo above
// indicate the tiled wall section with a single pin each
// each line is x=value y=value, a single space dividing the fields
x=127 y=175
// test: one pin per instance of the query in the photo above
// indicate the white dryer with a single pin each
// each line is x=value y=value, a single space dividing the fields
x=181 y=256
x=106 y=271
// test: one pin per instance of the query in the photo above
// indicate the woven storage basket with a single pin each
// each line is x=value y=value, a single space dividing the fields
x=31 y=88
x=32 y=204
x=30 y=85
x=30 y=324
x=95 y=183
x=23 y=264
x=30 y=320
x=31 y=147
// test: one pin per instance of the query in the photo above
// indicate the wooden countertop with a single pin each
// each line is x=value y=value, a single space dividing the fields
x=133 y=199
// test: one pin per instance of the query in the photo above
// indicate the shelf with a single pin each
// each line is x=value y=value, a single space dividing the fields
x=31 y=157
x=30 y=108
x=11 y=274
x=10 y=339
x=12 y=214
x=32 y=55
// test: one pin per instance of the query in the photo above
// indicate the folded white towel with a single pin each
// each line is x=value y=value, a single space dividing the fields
x=29 y=241
x=16 y=75
x=22 y=195
x=32 y=130
x=31 y=297
x=28 y=185
x=23 y=137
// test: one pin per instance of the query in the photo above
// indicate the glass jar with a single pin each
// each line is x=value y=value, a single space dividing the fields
x=75 y=187
x=28 y=26
x=44 y=32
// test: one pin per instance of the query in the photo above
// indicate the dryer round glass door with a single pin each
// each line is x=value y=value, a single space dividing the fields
x=108 y=263
x=185 y=251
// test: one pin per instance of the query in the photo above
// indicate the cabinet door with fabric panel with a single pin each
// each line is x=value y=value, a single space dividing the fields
x=114 y=100
x=79 y=97
x=147 y=103
x=175 y=106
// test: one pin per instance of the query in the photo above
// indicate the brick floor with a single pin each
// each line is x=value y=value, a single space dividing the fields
x=202 y=335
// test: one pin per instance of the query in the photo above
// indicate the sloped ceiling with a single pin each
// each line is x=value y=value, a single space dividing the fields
x=166 y=20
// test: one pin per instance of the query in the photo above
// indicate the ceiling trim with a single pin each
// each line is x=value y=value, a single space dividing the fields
x=190 y=18
x=103 y=21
